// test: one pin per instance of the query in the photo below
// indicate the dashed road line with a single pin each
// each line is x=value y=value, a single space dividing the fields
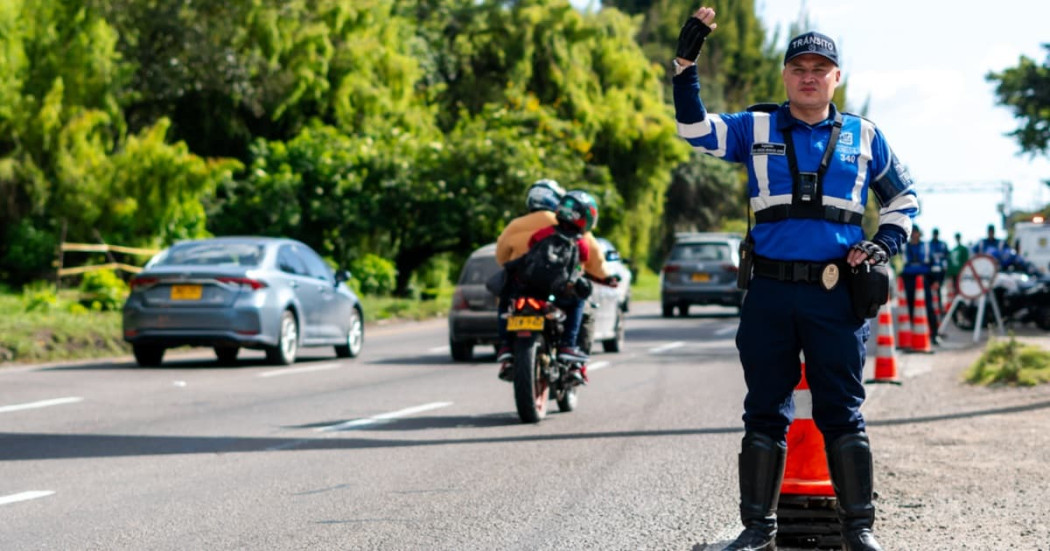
x=41 y=404
x=666 y=347
x=439 y=349
x=298 y=370
x=726 y=330
x=24 y=496
x=598 y=365
x=356 y=423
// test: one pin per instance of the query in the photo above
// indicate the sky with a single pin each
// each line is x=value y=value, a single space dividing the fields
x=922 y=65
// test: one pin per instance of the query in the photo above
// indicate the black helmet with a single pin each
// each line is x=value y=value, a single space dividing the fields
x=578 y=210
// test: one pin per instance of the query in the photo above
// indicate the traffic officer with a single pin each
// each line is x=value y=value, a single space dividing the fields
x=920 y=261
x=810 y=168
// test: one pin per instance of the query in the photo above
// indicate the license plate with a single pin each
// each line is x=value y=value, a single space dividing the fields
x=520 y=323
x=702 y=277
x=185 y=292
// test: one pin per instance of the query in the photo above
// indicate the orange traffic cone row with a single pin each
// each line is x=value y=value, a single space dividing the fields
x=885 y=356
x=903 y=318
x=920 y=333
x=806 y=469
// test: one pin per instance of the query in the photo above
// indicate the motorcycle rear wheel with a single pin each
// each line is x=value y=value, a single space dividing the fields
x=530 y=384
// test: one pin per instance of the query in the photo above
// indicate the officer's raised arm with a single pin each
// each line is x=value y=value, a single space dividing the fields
x=720 y=136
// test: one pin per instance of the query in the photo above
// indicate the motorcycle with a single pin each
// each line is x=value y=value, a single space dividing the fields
x=539 y=374
x=1021 y=300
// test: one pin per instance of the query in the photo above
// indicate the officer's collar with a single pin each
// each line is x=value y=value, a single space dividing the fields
x=786 y=120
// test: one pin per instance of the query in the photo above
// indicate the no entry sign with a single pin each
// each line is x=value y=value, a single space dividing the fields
x=977 y=275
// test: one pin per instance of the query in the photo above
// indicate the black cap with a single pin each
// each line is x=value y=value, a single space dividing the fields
x=812 y=43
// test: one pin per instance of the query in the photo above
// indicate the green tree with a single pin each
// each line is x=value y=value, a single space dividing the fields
x=1025 y=90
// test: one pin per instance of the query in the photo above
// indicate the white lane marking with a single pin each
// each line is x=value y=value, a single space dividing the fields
x=298 y=370
x=439 y=349
x=384 y=416
x=597 y=365
x=24 y=496
x=726 y=330
x=41 y=404
x=666 y=347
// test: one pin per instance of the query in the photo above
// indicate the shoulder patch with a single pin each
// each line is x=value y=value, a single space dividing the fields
x=844 y=113
x=764 y=107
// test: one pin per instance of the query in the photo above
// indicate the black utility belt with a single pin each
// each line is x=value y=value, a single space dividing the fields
x=827 y=274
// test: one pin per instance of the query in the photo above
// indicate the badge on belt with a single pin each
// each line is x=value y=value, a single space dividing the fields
x=829 y=277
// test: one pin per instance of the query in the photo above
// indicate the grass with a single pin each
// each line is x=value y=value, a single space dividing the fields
x=39 y=327
x=56 y=328
x=1010 y=362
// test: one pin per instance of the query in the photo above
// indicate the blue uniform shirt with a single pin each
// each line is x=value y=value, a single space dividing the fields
x=917 y=259
x=862 y=160
x=938 y=256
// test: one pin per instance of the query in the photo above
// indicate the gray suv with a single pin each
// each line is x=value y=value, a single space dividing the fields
x=701 y=269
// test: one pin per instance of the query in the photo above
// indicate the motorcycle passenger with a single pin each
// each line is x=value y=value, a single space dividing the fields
x=541 y=200
x=515 y=241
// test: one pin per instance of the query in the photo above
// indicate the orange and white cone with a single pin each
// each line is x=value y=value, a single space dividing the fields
x=903 y=318
x=885 y=355
x=920 y=335
x=806 y=468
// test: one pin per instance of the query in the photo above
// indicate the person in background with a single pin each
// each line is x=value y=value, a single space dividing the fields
x=956 y=258
x=919 y=262
x=938 y=267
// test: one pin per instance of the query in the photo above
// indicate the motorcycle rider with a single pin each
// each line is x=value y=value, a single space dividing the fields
x=542 y=200
x=575 y=215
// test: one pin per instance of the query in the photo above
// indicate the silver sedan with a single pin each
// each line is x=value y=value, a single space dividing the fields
x=241 y=292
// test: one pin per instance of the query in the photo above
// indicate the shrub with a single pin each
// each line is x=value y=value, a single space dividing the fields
x=103 y=290
x=1010 y=362
x=39 y=296
x=373 y=275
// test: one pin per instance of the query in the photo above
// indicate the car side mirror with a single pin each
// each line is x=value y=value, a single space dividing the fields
x=612 y=256
x=342 y=276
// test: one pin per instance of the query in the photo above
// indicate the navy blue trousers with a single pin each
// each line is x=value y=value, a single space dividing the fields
x=780 y=319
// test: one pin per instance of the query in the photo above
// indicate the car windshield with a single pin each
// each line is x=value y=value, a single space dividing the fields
x=478 y=270
x=212 y=254
x=700 y=251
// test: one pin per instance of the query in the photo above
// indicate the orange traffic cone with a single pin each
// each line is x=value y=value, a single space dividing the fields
x=920 y=334
x=806 y=469
x=903 y=319
x=885 y=356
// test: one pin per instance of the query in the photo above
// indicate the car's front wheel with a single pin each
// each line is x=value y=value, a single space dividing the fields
x=287 y=343
x=355 y=336
x=148 y=355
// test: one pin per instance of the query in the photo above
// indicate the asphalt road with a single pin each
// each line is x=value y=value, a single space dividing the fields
x=400 y=448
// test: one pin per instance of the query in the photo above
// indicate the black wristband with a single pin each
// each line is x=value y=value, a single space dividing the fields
x=691 y=38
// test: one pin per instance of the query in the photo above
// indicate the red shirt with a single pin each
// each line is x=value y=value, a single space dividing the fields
x=581 y=244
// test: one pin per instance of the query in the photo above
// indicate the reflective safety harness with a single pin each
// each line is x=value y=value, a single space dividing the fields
x=807 y=197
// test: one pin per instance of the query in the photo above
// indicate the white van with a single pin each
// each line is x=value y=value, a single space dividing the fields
x=1032 y=241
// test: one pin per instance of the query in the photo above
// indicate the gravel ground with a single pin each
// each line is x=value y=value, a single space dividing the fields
x=960 y=466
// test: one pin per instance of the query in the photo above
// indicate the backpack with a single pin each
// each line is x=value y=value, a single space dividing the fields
x=548 y=267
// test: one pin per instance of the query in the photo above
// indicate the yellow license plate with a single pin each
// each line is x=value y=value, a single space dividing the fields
x=185 y=292
x=701 y=277
x=521 y=323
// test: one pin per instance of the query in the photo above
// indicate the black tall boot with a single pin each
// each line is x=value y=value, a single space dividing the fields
x=761 y=472
x=849 y=461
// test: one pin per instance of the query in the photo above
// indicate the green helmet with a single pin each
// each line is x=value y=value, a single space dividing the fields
x=579 y=210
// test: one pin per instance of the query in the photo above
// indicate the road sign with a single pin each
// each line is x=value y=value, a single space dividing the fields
x=977 y=275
